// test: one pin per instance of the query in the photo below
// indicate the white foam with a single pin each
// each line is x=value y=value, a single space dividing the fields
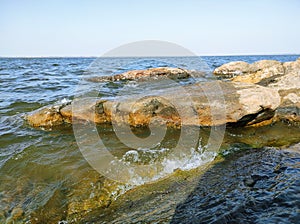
x=164 y=163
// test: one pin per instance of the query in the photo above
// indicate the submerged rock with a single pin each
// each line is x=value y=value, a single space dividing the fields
x=251 y=186
x=235 y=189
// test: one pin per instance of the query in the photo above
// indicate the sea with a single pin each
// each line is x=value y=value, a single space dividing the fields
x=254 y=177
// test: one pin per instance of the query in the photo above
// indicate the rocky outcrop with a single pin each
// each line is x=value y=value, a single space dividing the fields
x=281 y=77
x=232 y=69
x=288 y=87
x=261 y=72
x=237 y=105
x=154 y=73
x=292 y=66
x=264 y=92
x=258 y=72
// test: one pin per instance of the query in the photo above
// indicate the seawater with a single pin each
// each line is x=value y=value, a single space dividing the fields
x=43 y=175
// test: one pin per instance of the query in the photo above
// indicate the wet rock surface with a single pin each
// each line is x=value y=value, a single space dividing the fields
x=261 y=186
x=48 y=116
x=87 y=197
x=248 y=186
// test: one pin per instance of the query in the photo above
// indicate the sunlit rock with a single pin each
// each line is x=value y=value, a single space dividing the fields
x=48 y=116
x=259 y=72
x=232 y=69
x=89 y=109
x=234 y=103
x=152 y=73
x=284 y=78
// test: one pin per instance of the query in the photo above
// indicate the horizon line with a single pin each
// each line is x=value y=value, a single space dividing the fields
x=137 y=56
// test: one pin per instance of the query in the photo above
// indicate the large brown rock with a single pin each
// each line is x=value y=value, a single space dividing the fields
x=258 y=72
x=48 y=116
x=207 y=104
x=232 y=69
x=288 y=87
x=154 y=73
x=261 y=72
x=292 y=66
x=281 y=77
x=89 y=109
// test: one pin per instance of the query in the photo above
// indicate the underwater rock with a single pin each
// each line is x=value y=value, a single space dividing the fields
x=243 y=186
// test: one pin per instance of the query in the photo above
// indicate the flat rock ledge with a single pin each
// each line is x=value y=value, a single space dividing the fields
x=151 y=73
x=263 y=93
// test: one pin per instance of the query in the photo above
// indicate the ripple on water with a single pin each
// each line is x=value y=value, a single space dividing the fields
x=253 y=186
x=44 y=175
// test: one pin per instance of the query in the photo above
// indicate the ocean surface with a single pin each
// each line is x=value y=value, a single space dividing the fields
x=44 y=178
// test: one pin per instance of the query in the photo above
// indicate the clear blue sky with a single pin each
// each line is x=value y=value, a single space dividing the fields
x=86 y=28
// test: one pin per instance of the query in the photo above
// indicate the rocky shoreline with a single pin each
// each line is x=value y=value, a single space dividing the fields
x=255 y=94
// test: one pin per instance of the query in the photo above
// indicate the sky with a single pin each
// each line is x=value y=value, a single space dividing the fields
x=92 y=28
